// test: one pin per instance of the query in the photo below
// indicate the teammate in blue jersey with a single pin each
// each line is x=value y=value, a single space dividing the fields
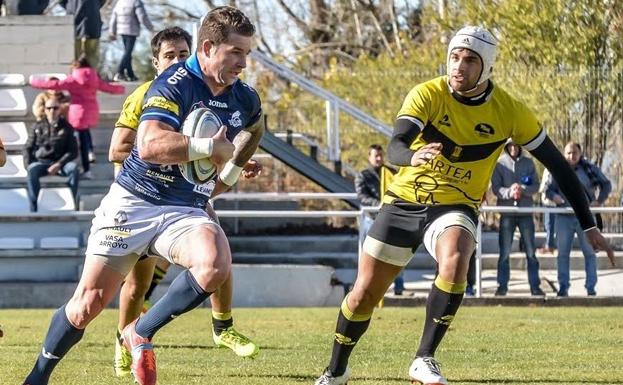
x=151 y=209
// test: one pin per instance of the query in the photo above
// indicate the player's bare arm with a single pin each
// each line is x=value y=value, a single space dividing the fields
x=159 y=143
x=121 y=144
x=246 y=142
x=552 y=159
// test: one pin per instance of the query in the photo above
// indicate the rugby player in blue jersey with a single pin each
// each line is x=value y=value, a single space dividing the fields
x=151 y=209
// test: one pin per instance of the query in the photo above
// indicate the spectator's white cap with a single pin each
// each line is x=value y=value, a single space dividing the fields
x=481 y=42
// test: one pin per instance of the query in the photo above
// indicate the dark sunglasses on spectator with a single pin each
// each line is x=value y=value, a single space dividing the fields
x=52 y=108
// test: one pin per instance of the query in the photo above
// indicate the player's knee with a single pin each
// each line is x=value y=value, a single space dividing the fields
x=84 y=307
x=361 y=299
x=211 y=276
x=136 y=290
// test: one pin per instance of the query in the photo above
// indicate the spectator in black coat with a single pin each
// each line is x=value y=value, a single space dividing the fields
x=50 y=149
x=87 y=27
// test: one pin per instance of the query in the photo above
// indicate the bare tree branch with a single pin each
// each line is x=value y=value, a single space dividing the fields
x=299 y=23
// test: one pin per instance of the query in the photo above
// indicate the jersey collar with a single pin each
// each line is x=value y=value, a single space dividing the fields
x=192 y=64
x=474 y=100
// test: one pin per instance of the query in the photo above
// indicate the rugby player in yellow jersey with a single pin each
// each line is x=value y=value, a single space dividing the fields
x=447 y=138
x=169 y=46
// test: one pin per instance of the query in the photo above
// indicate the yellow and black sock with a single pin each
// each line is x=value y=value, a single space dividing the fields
x=350 y=327
x=443 y=302
x=155 y=280
x=221 y=322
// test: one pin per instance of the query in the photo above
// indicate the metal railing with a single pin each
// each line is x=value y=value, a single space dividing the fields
x=334 y=104
x=359 y=214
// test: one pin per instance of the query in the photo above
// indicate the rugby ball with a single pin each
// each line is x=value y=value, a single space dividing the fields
x=200 y=123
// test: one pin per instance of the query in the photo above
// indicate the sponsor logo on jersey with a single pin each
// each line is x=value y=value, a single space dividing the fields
x=445 y=121
x=178 y=75
x=199 y=104
x=217 y=104
x=205 y=189
x=150 y=194
x=235 y=120
x=483 y=129
x=161 y=177
x=456 y=153
x=449 y=171
x=164 y=103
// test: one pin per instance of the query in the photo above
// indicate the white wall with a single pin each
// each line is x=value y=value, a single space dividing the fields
x=35 y=44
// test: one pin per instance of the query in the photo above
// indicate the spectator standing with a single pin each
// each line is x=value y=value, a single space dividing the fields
x=514 y=182
x=591 y=178
x=549 y=220
x=369 y=191
x=83 y=84
x=49 y=150
x=125 y=20
x=38 y=106
x=87 y=27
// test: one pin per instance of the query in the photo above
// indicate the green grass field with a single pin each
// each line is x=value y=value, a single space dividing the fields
x=486 y=345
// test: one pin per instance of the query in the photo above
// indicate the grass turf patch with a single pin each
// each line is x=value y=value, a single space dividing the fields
x=485 y=345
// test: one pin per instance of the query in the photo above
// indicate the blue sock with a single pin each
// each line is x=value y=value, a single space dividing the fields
x=62 y=335
x=183 y=295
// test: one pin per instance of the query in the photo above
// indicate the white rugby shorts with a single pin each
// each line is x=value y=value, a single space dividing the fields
x=126 y=227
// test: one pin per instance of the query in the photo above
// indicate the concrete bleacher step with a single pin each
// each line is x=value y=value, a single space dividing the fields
x=59 y=243
x=55 y=199
x=102 y=170
x=14 y=135
x=13 y=170
x=17 y=243
x=13 y=102
x=89 y=202
x=12 y=80
x=14 y=201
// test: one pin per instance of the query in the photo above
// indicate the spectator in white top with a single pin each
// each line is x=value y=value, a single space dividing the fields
x=126 y=19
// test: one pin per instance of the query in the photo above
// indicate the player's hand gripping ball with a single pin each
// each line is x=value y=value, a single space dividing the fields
x=200 y=123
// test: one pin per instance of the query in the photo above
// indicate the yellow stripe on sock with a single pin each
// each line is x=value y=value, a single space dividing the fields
x=450 y=287
x=159 y=273
x=221 y=316
x=353 y=316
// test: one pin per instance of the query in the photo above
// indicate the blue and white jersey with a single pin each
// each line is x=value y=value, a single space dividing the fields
x=172 y=96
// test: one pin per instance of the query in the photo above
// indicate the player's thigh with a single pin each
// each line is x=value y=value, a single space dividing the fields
x=98 y=285
x=450 y=237
x=139 y=278
x=194 y=240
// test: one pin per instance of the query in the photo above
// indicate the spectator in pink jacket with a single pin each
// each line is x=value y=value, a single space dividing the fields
x=83 y=84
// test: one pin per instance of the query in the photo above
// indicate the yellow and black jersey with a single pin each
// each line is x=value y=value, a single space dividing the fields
x=133 y=107
x=473 y=133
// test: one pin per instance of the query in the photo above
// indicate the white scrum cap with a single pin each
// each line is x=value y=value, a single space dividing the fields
x=480 y=41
